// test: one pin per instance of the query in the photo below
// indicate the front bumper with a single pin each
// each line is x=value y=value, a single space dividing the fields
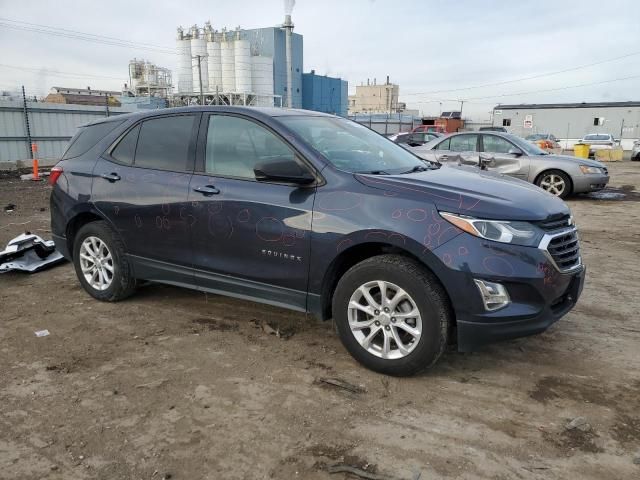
x=589 y=182
x=540 y=294
x=474 y=331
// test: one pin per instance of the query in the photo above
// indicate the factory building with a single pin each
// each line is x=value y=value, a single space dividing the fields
x=260 y=67
x=324 y=94
x=572 y=121
x=374 y=98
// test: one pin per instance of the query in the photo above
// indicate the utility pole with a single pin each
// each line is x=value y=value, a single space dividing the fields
x=199 y=57
x=461 y=105
x=26 y=122
x=106 y=104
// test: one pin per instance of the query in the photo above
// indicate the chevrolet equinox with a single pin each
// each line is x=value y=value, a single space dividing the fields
x=318 y=214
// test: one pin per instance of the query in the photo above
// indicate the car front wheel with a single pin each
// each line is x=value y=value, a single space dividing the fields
x=392 y=315
x=555 y=182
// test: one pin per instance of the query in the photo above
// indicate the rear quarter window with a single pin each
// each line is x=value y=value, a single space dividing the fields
x=87 y=137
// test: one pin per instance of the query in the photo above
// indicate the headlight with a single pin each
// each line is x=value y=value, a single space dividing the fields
x=586 y=169
x=517 y=233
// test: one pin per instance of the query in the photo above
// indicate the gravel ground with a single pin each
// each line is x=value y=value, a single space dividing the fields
x=176 y=384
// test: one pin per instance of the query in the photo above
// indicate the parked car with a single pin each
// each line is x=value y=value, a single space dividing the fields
x=493 y=129
x=507 y=154
x=635 y=151
x=414 y=139
x=317 y=214
x=599 y=141
x=546 y=141
x=429 y=128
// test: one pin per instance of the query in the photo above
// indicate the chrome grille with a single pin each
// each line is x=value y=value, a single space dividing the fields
x=564 y=249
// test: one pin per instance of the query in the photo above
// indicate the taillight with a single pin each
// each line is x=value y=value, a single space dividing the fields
x=55 y=174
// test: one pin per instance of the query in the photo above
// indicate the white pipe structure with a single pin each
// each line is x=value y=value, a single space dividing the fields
x=242 y=58
x=199 y=60
x=288 y=26
x=185 y=70
x=214 y=60
x=227 y=52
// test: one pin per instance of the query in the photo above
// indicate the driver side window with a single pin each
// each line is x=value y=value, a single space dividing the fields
x=236 y=145
x=495 y=144
x=464 y=143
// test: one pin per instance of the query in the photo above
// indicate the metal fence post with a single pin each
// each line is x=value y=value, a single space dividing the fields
x=26 y=122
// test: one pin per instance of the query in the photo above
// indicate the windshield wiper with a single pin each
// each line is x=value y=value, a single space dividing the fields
x=417 y=168
x=375 y=172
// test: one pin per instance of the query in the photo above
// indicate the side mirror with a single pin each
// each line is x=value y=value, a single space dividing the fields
x=283 y=170
x=515 y=152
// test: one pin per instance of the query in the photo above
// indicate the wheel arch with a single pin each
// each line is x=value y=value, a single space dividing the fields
x=76 y=223
x=357 y=253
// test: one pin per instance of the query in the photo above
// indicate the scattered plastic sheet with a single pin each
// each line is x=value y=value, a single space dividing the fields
x=29 y=253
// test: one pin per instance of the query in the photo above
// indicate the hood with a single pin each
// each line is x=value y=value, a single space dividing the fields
x=473 y=192
x=576 y=160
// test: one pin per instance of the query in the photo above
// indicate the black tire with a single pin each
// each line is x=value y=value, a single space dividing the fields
x=426 y=292
x=123 y=283
x=567 y=182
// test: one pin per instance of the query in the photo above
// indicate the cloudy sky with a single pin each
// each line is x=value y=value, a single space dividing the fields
x=439 y=52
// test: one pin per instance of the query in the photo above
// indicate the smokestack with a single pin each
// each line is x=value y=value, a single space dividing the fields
x=387 y=79
x=288 y=27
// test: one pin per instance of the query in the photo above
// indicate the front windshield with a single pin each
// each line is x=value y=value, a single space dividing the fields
x=536 y=136
x=352 y=147
x=528 y=148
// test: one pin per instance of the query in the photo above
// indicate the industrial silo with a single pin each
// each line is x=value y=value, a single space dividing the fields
x=227 y=53
x=214 y=60
x=185 y=72
x=242 y=57
x=262 y=80
x=199 y=54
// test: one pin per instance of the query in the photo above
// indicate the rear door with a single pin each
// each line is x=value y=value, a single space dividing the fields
x=505 y=157
x=141 y=187
x=250 y=238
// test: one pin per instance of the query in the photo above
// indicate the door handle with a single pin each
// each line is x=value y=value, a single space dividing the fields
x=207 y=190
x=112 y=177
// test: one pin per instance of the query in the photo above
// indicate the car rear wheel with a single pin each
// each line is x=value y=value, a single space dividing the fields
x=555 y=182
x=392 y=315
x=100 y=263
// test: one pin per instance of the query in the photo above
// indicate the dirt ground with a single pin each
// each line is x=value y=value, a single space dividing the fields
x=177 y=384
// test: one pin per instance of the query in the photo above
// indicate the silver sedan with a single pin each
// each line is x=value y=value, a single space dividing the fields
x=560 y=175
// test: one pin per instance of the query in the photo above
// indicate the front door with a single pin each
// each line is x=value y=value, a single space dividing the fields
x=505 y=157
x=458 y=150
x=141 y=186
x=250 y=238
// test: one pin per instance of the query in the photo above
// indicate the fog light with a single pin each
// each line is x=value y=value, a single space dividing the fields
x=494 y=295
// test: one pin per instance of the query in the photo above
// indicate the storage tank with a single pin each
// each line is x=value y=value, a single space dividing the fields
x=214 y=61
x=199 y=47
x=185 y=72
x=242 y=64
x=262 y=80
x=227 y=54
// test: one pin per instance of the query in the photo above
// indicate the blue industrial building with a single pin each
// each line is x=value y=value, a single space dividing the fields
x=324 y=94
x=270 y=41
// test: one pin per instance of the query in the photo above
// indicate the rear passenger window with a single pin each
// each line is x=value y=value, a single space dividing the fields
x=163 y=143
x=87 y=138
x=126 y=148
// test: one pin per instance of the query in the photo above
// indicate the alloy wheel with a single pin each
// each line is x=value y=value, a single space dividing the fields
x=96 y=263
x=554 y=184
x=384 y=319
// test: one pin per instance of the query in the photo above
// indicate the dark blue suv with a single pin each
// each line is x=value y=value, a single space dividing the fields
x=318 y=214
